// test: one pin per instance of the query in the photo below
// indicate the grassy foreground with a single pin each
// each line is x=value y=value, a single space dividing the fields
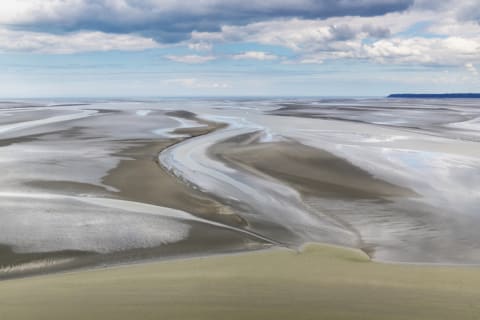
x=322 y=282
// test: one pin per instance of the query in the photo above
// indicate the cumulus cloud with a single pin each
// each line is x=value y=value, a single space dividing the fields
x=193 y=83
x=417 y=50
x=469 y=10
x=305 y=34
x=21 y=41
x=192 y=59
x=200 y=46
x=471 y=68
x=384 y=31
x=173 y=21
x=422 y=36
x=451 y=50
x=255 y=55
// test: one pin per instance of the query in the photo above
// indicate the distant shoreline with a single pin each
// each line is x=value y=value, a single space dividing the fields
x=436 y=95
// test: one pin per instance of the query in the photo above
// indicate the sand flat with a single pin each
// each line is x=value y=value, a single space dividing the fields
x=322 y=282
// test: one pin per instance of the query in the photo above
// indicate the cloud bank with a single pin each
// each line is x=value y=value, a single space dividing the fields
x=21 y=41
x=255 y=55
x=423 y=32
x=173 y=21
x=192 y=59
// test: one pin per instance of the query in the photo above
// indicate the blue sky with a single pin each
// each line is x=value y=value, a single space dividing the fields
x=122 y=48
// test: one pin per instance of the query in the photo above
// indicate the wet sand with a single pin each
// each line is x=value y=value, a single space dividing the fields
x=312 y=171
x=139 y=178
x=316 y=174
x=142 y=179
x=358 y=201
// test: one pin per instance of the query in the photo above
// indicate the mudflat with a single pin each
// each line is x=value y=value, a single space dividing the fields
x=117 y=195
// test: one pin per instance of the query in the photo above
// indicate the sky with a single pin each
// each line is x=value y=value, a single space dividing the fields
x=168 y=48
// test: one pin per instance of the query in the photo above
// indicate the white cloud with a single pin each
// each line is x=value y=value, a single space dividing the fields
x=255 y=55
x=193 y=83
x=471 y=68
x=390 y=38
x=402 y=38
x=451 y=50
x=305 y=34
x=312 y=60
x=20 y=41
x=191 y=59
x=417 y=50
x=200 y=46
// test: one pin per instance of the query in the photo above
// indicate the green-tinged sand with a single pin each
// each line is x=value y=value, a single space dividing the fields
x=322 y=282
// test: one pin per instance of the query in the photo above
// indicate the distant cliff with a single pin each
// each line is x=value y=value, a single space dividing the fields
x=436 y=96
